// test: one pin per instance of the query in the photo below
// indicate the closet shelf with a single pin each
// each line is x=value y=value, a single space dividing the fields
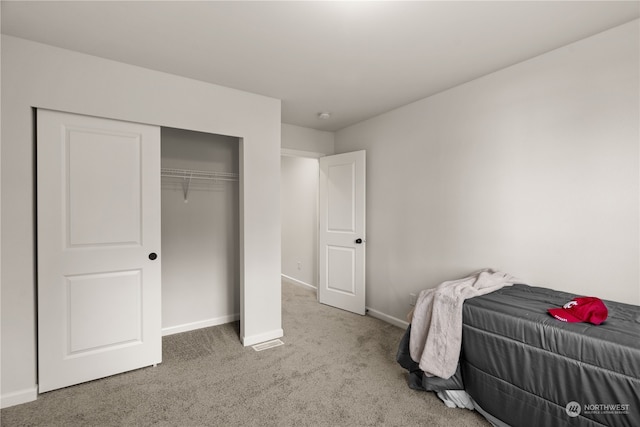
x=196 y=174
x=187 y=175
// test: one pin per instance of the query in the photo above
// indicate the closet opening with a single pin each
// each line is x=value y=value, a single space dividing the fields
x=200 y=217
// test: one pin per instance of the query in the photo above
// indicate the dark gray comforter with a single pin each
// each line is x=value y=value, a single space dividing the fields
x=528 y=369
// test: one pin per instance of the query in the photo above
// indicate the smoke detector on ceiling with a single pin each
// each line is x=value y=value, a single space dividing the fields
x=324 y=116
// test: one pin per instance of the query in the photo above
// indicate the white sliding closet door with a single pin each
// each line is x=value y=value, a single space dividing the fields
x=99 y=305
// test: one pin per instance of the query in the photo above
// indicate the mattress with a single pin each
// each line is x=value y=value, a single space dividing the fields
x=525 y=368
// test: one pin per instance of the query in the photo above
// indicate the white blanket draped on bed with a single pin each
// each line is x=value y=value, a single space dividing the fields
x=436 y=326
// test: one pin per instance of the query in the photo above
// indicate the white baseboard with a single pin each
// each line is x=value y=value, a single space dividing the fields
x=298 y=282
x=18 y=397
x=267 y=336
x=200 y=324
x=389 y=319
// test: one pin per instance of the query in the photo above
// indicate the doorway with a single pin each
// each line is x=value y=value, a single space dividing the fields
x=299 y=183
x=323 y=220
x=200 y=230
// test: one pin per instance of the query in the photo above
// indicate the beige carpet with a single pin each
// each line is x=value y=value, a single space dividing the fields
x=335 y=369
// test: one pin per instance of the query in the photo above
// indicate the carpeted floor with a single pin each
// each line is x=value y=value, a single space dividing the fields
x=335 y=369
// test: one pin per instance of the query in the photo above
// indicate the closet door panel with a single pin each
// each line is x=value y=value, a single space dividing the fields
x=103 y=211
x=99 y=291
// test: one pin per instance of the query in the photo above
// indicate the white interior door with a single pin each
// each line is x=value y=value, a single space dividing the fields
x=342 y=231
x=99 y=305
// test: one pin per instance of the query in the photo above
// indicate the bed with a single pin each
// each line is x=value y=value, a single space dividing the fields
x=522 y=367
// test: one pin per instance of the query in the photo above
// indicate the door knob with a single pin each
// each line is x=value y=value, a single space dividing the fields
x=153 y=256
x=358 y=241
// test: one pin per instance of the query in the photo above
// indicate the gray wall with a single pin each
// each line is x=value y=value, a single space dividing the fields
x=200 y=238
x=305 y=140
x=532 y=170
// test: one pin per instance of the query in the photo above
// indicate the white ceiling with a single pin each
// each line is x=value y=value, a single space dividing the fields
x=353 y=59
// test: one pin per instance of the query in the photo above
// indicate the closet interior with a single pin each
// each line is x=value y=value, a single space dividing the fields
x=200 y=230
